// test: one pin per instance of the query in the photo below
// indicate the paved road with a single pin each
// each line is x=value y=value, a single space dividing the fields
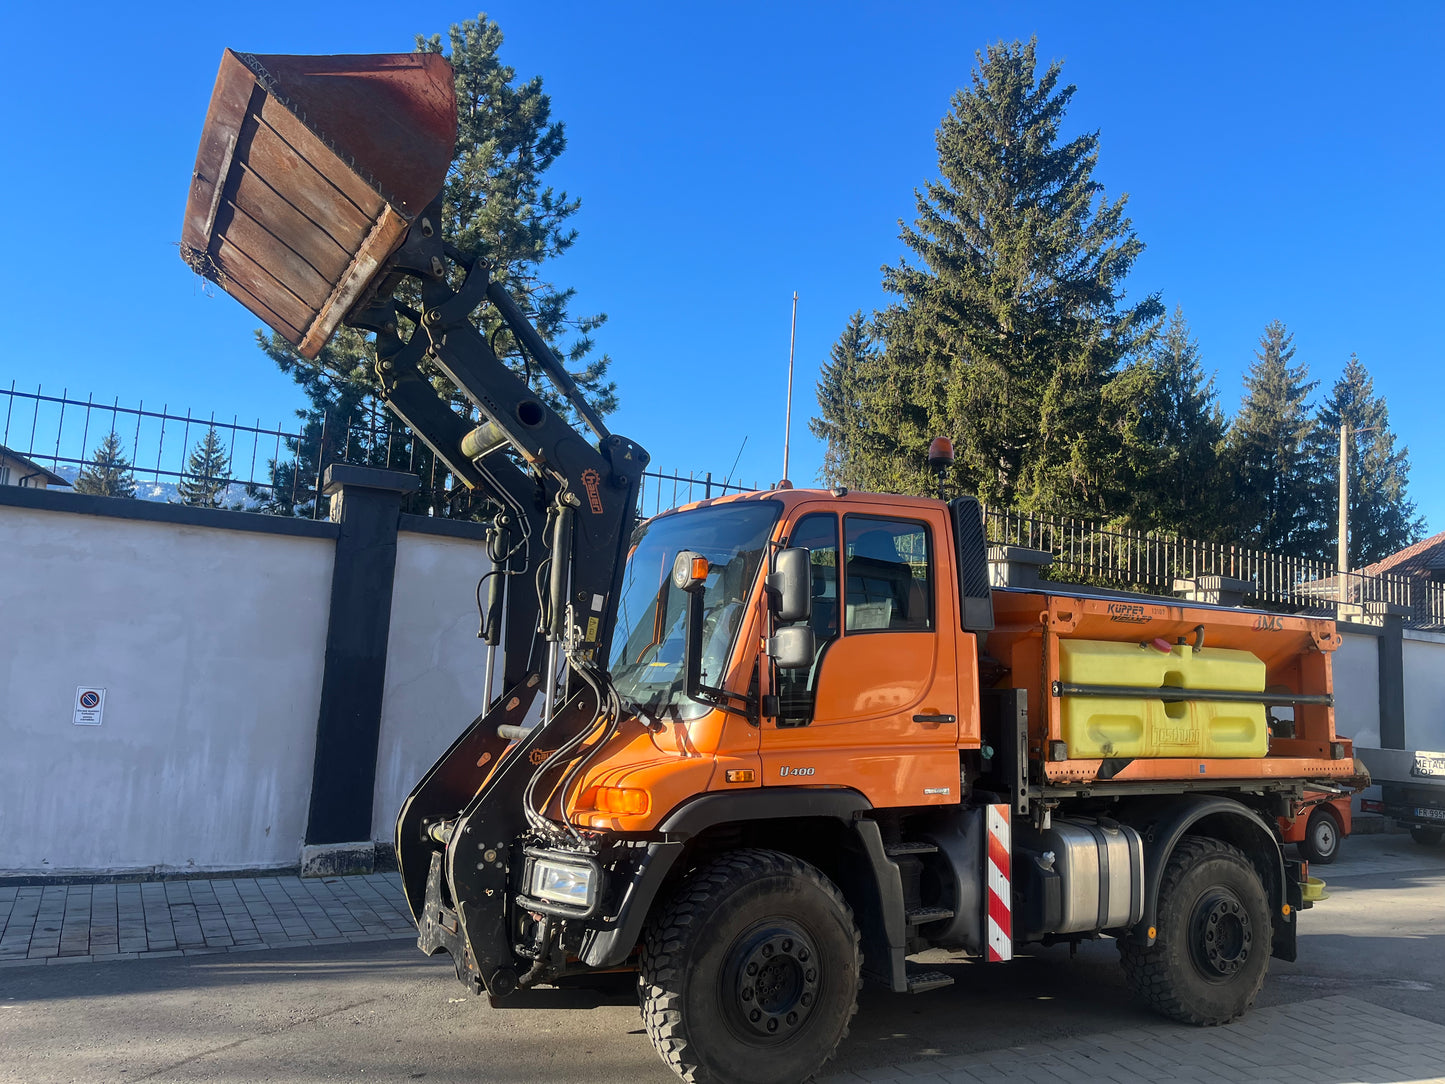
x=1364 y=1004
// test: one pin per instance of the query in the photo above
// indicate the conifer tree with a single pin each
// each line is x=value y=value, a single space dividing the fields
x=1275 y=454
x=497 y=205
x=109 y=473
x=1172 y=429
x=208 y=474
x=854 y=385
x=1010 y=320
x=1382 y=518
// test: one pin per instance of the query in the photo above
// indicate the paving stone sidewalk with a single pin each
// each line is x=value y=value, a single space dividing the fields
x=60 y=924
x=1339 y=1040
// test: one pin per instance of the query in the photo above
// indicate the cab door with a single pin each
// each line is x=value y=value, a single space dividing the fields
x=878 y=711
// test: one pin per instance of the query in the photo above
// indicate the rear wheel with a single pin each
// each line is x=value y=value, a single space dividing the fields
x=1321 y=843
x=1207 y=963
x=750 y=973
x=1427 y=837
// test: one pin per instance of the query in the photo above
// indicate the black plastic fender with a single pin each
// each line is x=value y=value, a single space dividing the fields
x=610 y=946
x=1162 y=822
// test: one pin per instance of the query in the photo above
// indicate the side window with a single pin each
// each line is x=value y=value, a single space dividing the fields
x=819 y=534
x=887 y=579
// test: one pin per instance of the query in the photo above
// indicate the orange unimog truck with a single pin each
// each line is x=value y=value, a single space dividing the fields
x=766 y=745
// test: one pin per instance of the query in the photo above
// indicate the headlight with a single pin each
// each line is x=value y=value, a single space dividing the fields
x=562 y=882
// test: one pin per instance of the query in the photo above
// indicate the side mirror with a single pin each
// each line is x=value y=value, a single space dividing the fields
x=794 y=647
x=790 y=586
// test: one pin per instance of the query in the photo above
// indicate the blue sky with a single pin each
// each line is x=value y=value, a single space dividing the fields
x=1281 y=162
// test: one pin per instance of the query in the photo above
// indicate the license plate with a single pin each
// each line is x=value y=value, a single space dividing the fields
x=1430 y=814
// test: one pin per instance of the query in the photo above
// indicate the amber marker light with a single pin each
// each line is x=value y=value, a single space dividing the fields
x=699 y=568
x=626 y=800
x=741 y=775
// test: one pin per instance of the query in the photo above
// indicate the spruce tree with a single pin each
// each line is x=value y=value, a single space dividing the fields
x=1382 y=519
x=208 y=474
x=496 y=205
x=109 y=473
x=1171 y=427
x=854 y=385
x=1010 y=321
x=1275 y=454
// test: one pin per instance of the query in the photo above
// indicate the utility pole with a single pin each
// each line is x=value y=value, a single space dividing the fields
x=1342 y=559
x=788 y=418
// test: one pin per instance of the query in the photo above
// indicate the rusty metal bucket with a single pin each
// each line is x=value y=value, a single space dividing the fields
x=310 y=171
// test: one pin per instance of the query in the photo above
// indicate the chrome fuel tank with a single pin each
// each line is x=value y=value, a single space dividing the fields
x=1078 y=877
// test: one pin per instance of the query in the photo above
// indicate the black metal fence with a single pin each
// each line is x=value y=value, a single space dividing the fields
x=275 y=469
x=1155 y=562
x=63 y=433
x=278 y=470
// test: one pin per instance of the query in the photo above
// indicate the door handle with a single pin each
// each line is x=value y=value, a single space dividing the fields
x=935 y=719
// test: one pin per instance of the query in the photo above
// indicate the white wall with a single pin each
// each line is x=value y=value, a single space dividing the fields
x=434 y=664
x=1424 y=690
x=1357 y=689
x=210 y=645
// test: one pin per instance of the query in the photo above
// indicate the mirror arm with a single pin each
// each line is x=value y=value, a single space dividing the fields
x=693 y=688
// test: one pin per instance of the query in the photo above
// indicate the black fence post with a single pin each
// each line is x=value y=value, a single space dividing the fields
x=1392 y=682
x=366 y=503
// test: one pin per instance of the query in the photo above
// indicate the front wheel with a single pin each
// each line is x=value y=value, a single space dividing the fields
x=750 y=972
x=1207 y=963
x=1321 y=844
x=1426 y=837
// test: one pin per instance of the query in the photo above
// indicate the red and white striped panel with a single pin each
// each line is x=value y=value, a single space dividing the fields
x=1000 y=897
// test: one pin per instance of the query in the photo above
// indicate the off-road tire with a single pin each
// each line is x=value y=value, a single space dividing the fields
x=1208 y=962
x=1426 y=837
x=1321 y=843
x=788 y=923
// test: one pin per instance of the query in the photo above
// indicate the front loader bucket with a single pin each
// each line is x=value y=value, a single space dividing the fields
x=310 y=171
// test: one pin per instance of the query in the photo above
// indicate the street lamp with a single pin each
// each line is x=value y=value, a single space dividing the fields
x=1342 y=558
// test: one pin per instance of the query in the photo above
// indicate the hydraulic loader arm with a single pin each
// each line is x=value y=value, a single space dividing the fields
x=315 y=201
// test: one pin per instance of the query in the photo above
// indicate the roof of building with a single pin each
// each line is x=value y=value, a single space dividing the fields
x=1424 y=556
x=49 y=475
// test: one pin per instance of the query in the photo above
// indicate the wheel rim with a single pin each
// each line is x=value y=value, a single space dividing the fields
x=1223 y=935
x=1324 y=838
x=773 y=982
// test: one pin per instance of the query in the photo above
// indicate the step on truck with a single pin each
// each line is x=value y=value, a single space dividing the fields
x=763 y=747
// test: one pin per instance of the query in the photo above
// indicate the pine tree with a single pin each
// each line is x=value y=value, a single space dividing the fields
x=208 y=474
x=1275 y=454
x=1382 y=519
x=1010 y=322
x=109 y=473
x=495 y=205
x=853 y=386
x=1172 y=430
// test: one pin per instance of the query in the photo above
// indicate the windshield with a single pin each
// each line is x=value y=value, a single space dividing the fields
x=647 y=650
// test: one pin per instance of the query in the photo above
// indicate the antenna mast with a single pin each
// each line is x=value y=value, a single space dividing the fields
x=788 y=419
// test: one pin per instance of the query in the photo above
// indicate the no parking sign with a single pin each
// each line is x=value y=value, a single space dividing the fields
x=89 y=705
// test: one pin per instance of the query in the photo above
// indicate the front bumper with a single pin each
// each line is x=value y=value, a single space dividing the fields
x=504 y=940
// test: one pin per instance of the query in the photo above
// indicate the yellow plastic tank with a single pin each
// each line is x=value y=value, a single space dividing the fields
x=1096 y=726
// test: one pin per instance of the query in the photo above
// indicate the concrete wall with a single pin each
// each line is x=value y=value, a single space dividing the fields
x=209 y=643
x=1424 y=690
x=1357 y=689
x=434 y=665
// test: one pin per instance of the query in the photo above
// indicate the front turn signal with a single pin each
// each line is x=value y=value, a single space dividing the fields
x=627 y=800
